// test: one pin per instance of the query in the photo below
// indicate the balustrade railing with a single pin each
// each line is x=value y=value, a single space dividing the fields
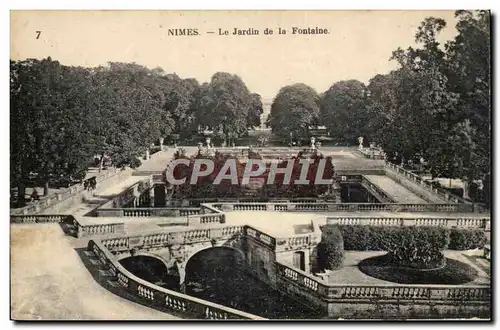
x=207 y=218
x=319 y=206
x=162 y=239
x=62 y=195
x=478 y=223
x=370 y=293
x=370 y=153
x=257 y=235
x=417 y=180
x=296 y=242
x=38 y=218
x=84 y=229
x=370 y=186
x=148 y=212
x=210 y=208
x=159 y=296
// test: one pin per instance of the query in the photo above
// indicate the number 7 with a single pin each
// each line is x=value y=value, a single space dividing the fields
x=38 y=34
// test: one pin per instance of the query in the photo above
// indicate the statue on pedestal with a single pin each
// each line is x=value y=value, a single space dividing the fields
x=313 y=140
x=360 y=140
x=208 y=143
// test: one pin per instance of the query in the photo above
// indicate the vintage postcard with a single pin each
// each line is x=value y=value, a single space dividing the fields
x=250 y=165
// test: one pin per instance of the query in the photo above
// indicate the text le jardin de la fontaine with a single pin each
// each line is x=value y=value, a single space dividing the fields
x=249 y=31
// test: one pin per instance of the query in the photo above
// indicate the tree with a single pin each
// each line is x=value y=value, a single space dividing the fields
x=255 y=111
x=294 y=110
x=413 y=105
x=128 y=111
x=48 y=113
x=468 y=68
x=331 y=249
x=224 y=106
x=179 y=100
x=344 y=110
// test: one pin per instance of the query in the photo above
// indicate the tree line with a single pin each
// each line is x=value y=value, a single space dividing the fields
x=63 y=116
x=435 y=105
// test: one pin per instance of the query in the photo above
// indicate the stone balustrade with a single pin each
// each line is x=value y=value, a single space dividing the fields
x=372 y=293
x=158 y=296
x=84 y=229
x=209 y=208
x=417 y=180
x=38 y=218
x=380 y=194
x=477 y=223
x=131 y=192
x=370 y=153
x=259 y=236
x=148 y=212
x=297 y=242
x=206 y=218
x=62 y=195
x=319 y=206
x=145 y=241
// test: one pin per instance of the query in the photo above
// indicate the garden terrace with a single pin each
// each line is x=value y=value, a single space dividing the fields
x=332 y=298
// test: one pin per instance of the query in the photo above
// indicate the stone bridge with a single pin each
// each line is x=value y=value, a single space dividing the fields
x=259 y=245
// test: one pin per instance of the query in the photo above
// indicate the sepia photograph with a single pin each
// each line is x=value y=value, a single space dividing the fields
x=250 y=165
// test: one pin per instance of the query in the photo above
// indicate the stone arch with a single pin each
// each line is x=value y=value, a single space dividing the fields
x=152 y=268
x=148 y=254
x=200 y=249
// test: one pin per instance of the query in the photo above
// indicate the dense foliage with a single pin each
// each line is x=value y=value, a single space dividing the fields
x=435 y=105
x=294 y=110
x=61 y=117
x=466 y=239
x=407 y=246
x=381 y=238
x=331 y=249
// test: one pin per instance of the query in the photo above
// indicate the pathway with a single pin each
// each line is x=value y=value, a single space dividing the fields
x=50 y=282
x=396 y=191
x=102 y=195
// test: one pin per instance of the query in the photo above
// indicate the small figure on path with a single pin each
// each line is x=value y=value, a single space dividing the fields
x=93 y=183
x=34 y=196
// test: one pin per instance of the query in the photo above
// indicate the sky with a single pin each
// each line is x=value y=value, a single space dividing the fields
x=358 y=44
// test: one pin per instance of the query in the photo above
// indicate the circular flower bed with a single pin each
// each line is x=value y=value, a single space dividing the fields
x=451 y=272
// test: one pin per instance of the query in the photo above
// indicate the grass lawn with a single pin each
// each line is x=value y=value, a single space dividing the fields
x=453 y=273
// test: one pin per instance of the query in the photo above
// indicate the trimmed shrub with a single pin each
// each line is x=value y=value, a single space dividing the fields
x=466 y=239
x=418 y=247
x=135 y=163
x=331 y=249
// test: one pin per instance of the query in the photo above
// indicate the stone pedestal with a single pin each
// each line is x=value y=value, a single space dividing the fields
x=147 y=154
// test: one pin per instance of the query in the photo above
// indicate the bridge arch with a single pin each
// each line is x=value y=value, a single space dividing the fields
x=209 y=258
x=151 y=268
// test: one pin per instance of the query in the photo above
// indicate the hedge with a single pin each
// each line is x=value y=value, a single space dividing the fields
x=375 y=238
x=331 y=249
x=418 y=247
x=466 y=239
